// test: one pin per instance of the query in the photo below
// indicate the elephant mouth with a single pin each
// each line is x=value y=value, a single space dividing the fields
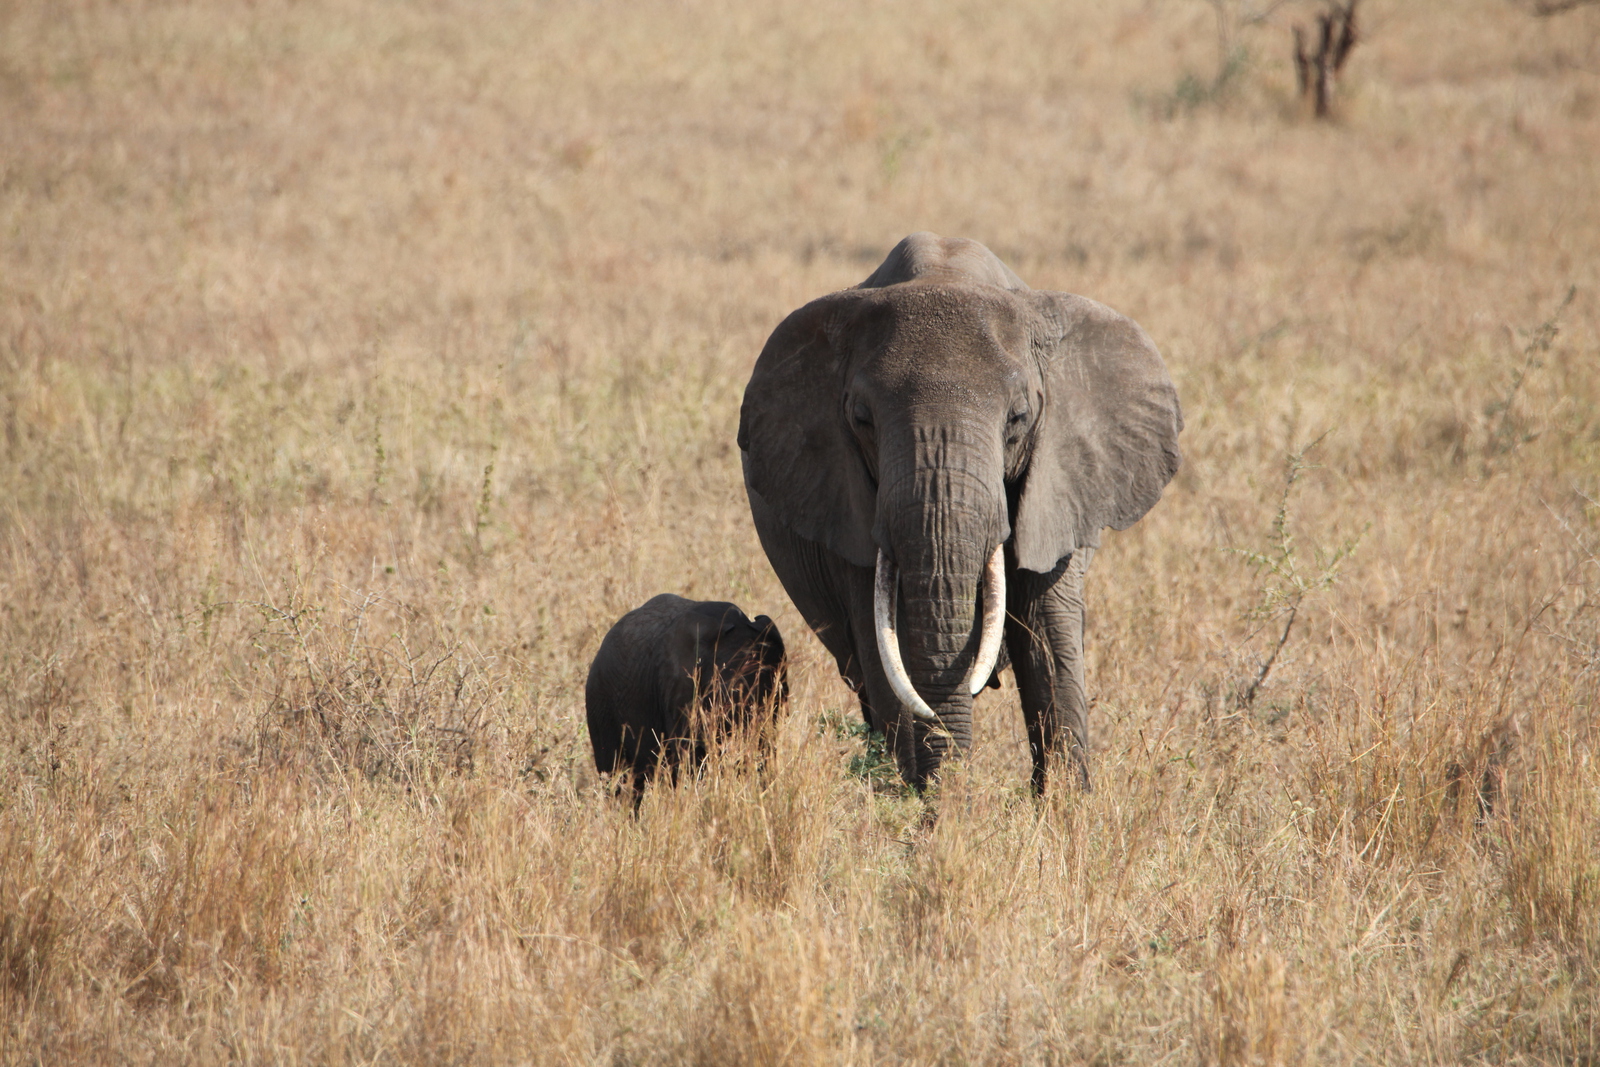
x=885 y=595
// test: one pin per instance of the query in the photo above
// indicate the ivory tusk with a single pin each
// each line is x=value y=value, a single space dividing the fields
x=994 y=617
x=884 y=596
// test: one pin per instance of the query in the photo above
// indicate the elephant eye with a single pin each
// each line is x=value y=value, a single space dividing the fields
x=861 y=413
x=1017 y=423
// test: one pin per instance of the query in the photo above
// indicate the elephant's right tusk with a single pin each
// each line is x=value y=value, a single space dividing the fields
x=884 y=595
x=994 y=617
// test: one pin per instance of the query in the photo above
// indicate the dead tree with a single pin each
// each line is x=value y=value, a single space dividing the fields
x=1317 y=70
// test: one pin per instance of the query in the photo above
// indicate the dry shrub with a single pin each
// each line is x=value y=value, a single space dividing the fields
x=661 y=889
x=1248 y=1017
x=767 y=820
x=217 y=890
x=1383 y=792
x=404 y=716
x=777 y=996
x=488 y=1000
x=1552 y=871
x=750 y=823
x=32 y=914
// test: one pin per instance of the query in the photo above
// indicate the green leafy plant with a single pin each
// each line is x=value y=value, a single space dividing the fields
x=873 y=762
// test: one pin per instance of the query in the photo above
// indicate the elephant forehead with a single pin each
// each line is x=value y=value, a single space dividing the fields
x=957 y=309
x=953 y=330
x=943 y=370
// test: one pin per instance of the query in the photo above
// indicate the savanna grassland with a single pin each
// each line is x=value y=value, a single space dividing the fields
x=361 y=362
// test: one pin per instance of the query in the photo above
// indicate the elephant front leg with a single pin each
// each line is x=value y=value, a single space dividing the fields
x=1044 y=633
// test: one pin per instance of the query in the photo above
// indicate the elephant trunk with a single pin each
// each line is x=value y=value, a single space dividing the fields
x=944 y=537
x=885 y=606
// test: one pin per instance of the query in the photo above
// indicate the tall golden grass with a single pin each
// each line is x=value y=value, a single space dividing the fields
x=361 y=363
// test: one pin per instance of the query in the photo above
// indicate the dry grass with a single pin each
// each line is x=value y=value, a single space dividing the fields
x=361 y=363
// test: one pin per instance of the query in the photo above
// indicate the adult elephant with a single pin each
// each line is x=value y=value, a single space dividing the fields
x=930 y=458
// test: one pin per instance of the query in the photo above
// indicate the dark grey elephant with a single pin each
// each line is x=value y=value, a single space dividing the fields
x=930 y=458
x=673 y=675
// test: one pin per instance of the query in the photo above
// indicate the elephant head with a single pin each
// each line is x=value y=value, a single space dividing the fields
x=738 y=662
x=942 y=425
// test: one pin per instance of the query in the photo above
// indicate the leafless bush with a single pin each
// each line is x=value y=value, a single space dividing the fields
x=380 y=710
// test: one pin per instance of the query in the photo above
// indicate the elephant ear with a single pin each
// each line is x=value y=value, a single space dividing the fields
x=1107 y=439
x=927 y=257
x=800 y=457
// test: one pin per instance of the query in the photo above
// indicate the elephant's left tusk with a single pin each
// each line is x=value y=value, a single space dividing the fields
x=994 y=617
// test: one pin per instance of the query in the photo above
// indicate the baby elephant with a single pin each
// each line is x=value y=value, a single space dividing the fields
x=673 y=675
